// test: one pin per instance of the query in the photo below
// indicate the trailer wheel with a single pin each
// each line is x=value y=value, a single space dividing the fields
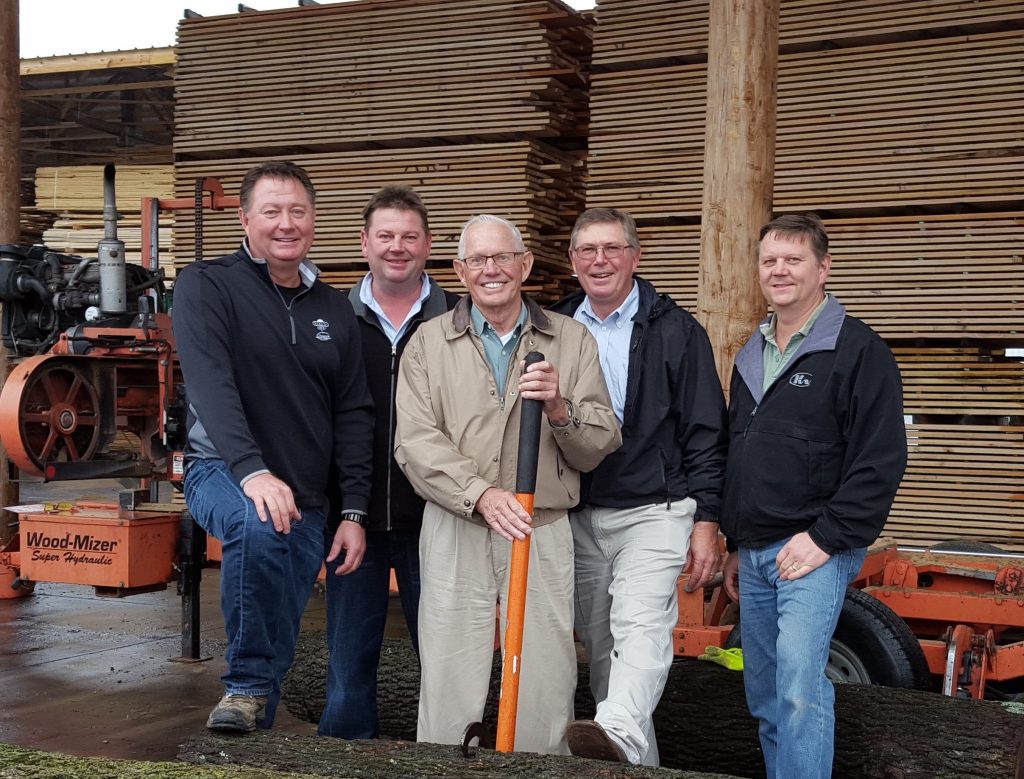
x=871 y=645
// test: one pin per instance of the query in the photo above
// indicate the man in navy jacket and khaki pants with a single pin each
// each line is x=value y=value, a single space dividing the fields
x=651 y=506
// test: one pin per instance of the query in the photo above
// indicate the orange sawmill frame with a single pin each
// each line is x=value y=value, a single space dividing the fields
x=963 y=607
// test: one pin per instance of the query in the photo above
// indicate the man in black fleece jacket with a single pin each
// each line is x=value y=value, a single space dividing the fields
x=817 y=449
x=276 y=393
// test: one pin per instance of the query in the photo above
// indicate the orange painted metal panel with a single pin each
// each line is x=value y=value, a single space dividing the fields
x=970 y=608
x=101 y=548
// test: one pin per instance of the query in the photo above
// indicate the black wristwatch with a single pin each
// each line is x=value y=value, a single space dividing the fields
x=354 y=516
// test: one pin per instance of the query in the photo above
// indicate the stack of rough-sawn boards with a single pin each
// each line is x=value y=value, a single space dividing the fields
x=900 y=122
x=73 y=196
x=480 y=105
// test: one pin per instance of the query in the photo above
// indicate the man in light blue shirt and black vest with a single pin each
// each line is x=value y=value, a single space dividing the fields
x=650 y=508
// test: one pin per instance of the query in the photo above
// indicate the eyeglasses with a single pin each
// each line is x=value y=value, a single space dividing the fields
x=477 y=261
x=611 y=251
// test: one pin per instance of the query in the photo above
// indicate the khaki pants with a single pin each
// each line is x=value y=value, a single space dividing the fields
x=627 y=565
x=464 y=572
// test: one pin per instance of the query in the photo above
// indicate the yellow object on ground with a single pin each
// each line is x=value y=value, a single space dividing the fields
x=727 y=658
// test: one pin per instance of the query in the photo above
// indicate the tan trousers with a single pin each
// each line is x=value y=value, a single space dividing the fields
x=464 y=572
x=627 y=564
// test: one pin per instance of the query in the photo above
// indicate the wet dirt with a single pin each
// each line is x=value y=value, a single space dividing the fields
x=95 y=676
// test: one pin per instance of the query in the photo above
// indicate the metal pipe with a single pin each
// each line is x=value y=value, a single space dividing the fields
x=113 y=297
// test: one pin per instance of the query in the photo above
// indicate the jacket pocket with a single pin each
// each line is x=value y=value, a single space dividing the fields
x=568 y=480
x=776 y=475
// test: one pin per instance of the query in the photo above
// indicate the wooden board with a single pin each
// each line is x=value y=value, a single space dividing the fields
x=913 y=277
x=80 y=187
x=976 y=381
x=390 y=71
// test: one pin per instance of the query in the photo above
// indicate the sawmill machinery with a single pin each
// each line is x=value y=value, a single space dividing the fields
x=96 y=390
x=97 y=393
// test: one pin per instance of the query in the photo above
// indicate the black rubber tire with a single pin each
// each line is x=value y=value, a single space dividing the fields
x=878 y=638
x=965 y=545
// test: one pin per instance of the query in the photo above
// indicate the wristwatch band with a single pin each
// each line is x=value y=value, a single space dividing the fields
x=570 y=409
x=354 y=516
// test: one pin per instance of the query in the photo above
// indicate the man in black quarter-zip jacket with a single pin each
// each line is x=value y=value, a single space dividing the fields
x=276 y=391
x=817 y=449
x=390 y=303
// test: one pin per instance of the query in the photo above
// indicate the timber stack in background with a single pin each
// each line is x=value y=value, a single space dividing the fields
x=480 y=106
x=900 y=124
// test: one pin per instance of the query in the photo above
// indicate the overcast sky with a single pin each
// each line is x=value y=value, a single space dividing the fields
x=51 y=27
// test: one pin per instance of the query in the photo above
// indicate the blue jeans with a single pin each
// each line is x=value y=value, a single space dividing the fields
x=787 y=627
x=357 y=610
x=266 y=578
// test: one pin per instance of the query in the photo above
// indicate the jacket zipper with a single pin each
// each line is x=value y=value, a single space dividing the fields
x=392 y=391
x=288 y=307
x=750 y=419
x=391 y=426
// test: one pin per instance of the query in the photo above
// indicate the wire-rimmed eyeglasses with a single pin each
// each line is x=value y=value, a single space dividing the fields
x=477 y=261
x=611 y=251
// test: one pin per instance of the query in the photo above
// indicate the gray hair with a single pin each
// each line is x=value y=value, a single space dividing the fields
x=517 y=237
x=606 y=216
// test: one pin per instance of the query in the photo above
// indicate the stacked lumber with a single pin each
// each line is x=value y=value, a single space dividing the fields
x=537 y=187
x=940 y=276
x=33 y=223
x=74 y=195
x=935 y=122
x=931 y=123
x=977 y=380
x=378 y=71
x=665 y=31
x=671 y=260
x=937 y=276
x=962 y=481
x=80 y=187
x=79 y=233
x=480 y=106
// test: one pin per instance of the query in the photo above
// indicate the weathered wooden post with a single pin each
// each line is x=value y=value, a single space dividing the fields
x=739 y=169
x=10 y=195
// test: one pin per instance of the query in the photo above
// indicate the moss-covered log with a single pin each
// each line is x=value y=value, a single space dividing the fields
x=703 y=723
x=385 y=759
x=26 y=763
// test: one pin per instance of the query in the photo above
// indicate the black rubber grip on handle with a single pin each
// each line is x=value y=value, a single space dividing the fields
x=529 y=438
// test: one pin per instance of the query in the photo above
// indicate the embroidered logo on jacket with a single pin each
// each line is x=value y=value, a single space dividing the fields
x=800 y=379
x=321 y=330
